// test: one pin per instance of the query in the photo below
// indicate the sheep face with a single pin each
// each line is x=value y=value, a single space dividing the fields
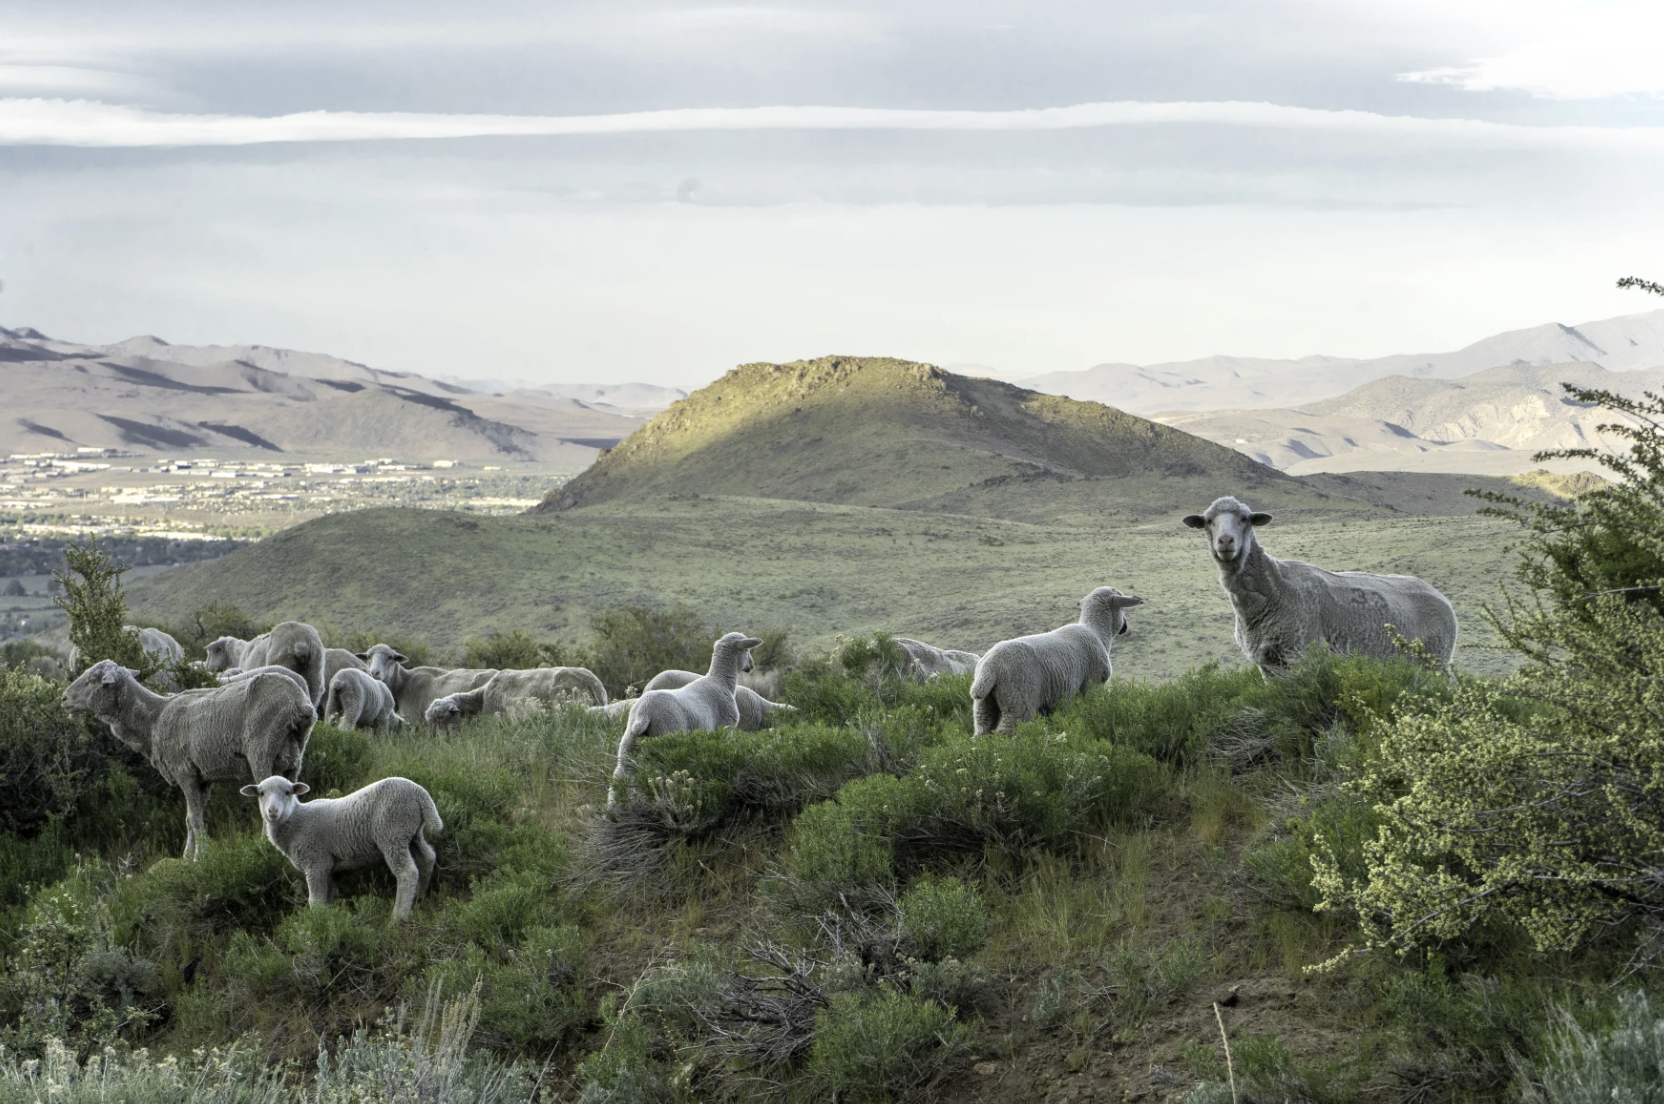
x=98 y=690
x=278 y=798
x=1229 y=525
x=1109 y=604
x=383 y=662
x=222 y=654
x=444 y=713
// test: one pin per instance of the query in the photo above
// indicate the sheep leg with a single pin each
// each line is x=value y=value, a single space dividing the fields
x=422 y=851
x=319 y=887
x=196 y=801
x=986 y=713
x=399 y=861
x=1009 y=719
x=626 y=747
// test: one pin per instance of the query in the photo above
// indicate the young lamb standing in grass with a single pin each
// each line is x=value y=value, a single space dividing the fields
x=1283 y=606
x=358 y=700
x=384 y=820
x=931 y=662
x=1020 y=678
x=754 y=708
x=256 y=725
x=706 y=703
x=509 y=691
x=414 y=688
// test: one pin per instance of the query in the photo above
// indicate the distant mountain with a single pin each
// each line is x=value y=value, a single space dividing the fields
x=869 y=431
x=1629 y=343
x=1490 y=422
x=147 y=395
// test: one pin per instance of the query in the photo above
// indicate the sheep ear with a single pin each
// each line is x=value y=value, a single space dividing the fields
x=1121 y=601
x=1196 y=521
x=751 y=642
x=112 y=675
x=399 y=657
x=1259 y=519
x=250 y=791
x=365 y=656
x=300 y=789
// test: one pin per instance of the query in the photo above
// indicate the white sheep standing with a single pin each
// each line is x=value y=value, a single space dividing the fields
x=930 y=662
x=229 y=652
x=385 y=820
x=1017 y=679
x=754 y=708
x=1283 y=606
x=706 y=703
x=512 y=691
x=337 y=660
x=259 y=725
x=414 y=688
x=357 y=699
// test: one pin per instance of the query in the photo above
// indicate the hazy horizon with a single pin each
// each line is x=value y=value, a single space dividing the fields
x=656 y=192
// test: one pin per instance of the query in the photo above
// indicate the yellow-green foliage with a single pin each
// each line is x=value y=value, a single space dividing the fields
x=1539 y=800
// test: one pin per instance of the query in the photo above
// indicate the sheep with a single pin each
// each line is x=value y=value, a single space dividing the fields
x=257 y=725
x=230 y=651
x=358 y=700
x=298 y=645
x=616 y=708
x=705 y=703
x=385 y=820
x=158 y=645
x=511 y=691
x=1019 y=678
x=1283 y=606
x=337 y=660
x=414 y=688
x=754 y=708
x=237 y=674
x=930 y=662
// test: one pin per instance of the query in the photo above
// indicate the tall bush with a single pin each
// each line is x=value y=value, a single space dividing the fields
x=97 y=608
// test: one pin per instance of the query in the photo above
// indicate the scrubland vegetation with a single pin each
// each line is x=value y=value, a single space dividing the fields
x=1376 y=880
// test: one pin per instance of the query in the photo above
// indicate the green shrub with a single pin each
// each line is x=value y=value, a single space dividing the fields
x=212 y=621
x=625 y=1070
x=337 y=760
x=233 y=1075
x=883 y=1045
x=943 y=918
x=631 y=644
x=48 y=757
x=237 y=883
x=531 y=997
x=417 y=652
x=1624 y=1064
x=97 y=610
x=515 y=650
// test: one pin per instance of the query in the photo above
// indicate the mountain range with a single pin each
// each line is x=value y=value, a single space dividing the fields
x=148 y=395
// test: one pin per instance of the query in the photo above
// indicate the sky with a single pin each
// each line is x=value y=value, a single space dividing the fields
x=620 y=190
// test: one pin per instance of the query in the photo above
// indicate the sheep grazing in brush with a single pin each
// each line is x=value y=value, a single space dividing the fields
x=754 y=708
x=1018 y=679
x=337 y=660
x=705 y=703
x=511 y=692
x=234 y=653
x=158 y=645
x=1284 y=606
x=415 y=688
x=928 y=661
x=384 y=822
x=257 y=725
x=358 y=700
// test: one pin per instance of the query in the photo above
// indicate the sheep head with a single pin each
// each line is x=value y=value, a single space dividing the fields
x=278 y=798
x=734 y=648
x=384 y=662
x=99 y=689
x=444 y=712
x=222 y=653
x=1106 y=607
x=1229 y=525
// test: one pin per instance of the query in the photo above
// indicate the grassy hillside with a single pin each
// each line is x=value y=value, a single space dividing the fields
x=867 y=431
x=818 y=570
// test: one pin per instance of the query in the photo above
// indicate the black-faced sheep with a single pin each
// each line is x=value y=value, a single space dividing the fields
x=1283 y=606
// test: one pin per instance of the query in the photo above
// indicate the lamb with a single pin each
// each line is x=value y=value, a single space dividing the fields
x=415 y=688
x=385 y=820
x=754 y=708
x=357 y=700
x=258 y=724
x=1283 y=606
x=1020 y=678
x=510 y=691
x=705 y=703
x=930 y=662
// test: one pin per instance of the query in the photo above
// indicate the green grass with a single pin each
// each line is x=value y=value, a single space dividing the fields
x=817 y=570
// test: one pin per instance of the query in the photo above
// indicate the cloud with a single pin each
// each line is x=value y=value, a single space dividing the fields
x=74 y=79
x=52 y=122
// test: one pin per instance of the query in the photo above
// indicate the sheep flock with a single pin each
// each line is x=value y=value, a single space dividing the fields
x=255 y=725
